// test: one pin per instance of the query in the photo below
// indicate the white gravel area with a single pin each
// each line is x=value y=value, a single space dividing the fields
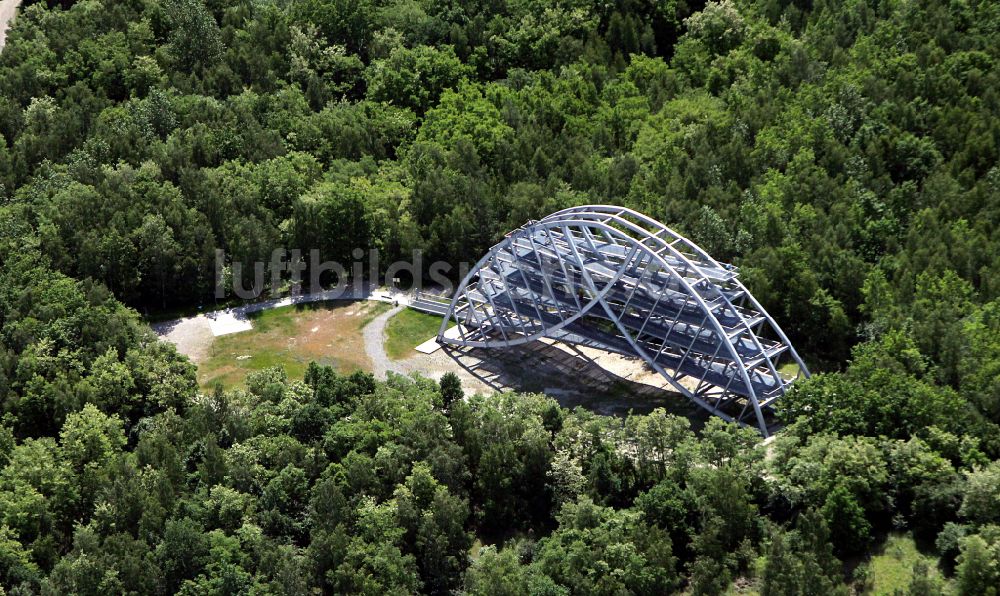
x=192 y=336
x=8 y=8
x=227 y=321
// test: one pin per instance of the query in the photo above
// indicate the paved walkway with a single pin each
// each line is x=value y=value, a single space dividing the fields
x=7 y=10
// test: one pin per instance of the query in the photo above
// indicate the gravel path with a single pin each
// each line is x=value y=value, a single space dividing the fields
x=7 y=10
x=374 y=334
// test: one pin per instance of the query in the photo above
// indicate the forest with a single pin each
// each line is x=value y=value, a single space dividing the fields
x=845 y=155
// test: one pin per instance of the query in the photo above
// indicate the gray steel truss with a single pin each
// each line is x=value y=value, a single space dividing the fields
x=611 y=278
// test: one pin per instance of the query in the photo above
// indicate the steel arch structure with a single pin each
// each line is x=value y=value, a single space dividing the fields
x=614 y=279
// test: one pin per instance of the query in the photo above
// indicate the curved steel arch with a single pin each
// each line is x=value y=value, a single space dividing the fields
x=612 y=278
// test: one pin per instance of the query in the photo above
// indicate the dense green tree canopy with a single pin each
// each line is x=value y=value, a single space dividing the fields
x=844 y=155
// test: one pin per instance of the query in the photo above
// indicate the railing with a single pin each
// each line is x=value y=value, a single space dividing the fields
x=430 y=303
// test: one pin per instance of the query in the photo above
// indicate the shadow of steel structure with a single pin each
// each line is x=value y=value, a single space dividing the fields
x=614 y=279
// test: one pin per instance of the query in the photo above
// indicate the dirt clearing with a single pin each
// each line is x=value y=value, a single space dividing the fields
x=328 y=333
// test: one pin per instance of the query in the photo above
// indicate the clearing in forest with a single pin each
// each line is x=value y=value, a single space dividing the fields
x=292 y=336
x=891 y=568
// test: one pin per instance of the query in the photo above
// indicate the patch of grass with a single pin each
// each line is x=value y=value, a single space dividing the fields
x=476 y=549
x=374 y=310
x=892 y=568
x=325 y=332
x=408 y=329
x=788 y=370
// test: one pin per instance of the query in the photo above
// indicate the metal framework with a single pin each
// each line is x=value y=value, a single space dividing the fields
x=611 y=278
